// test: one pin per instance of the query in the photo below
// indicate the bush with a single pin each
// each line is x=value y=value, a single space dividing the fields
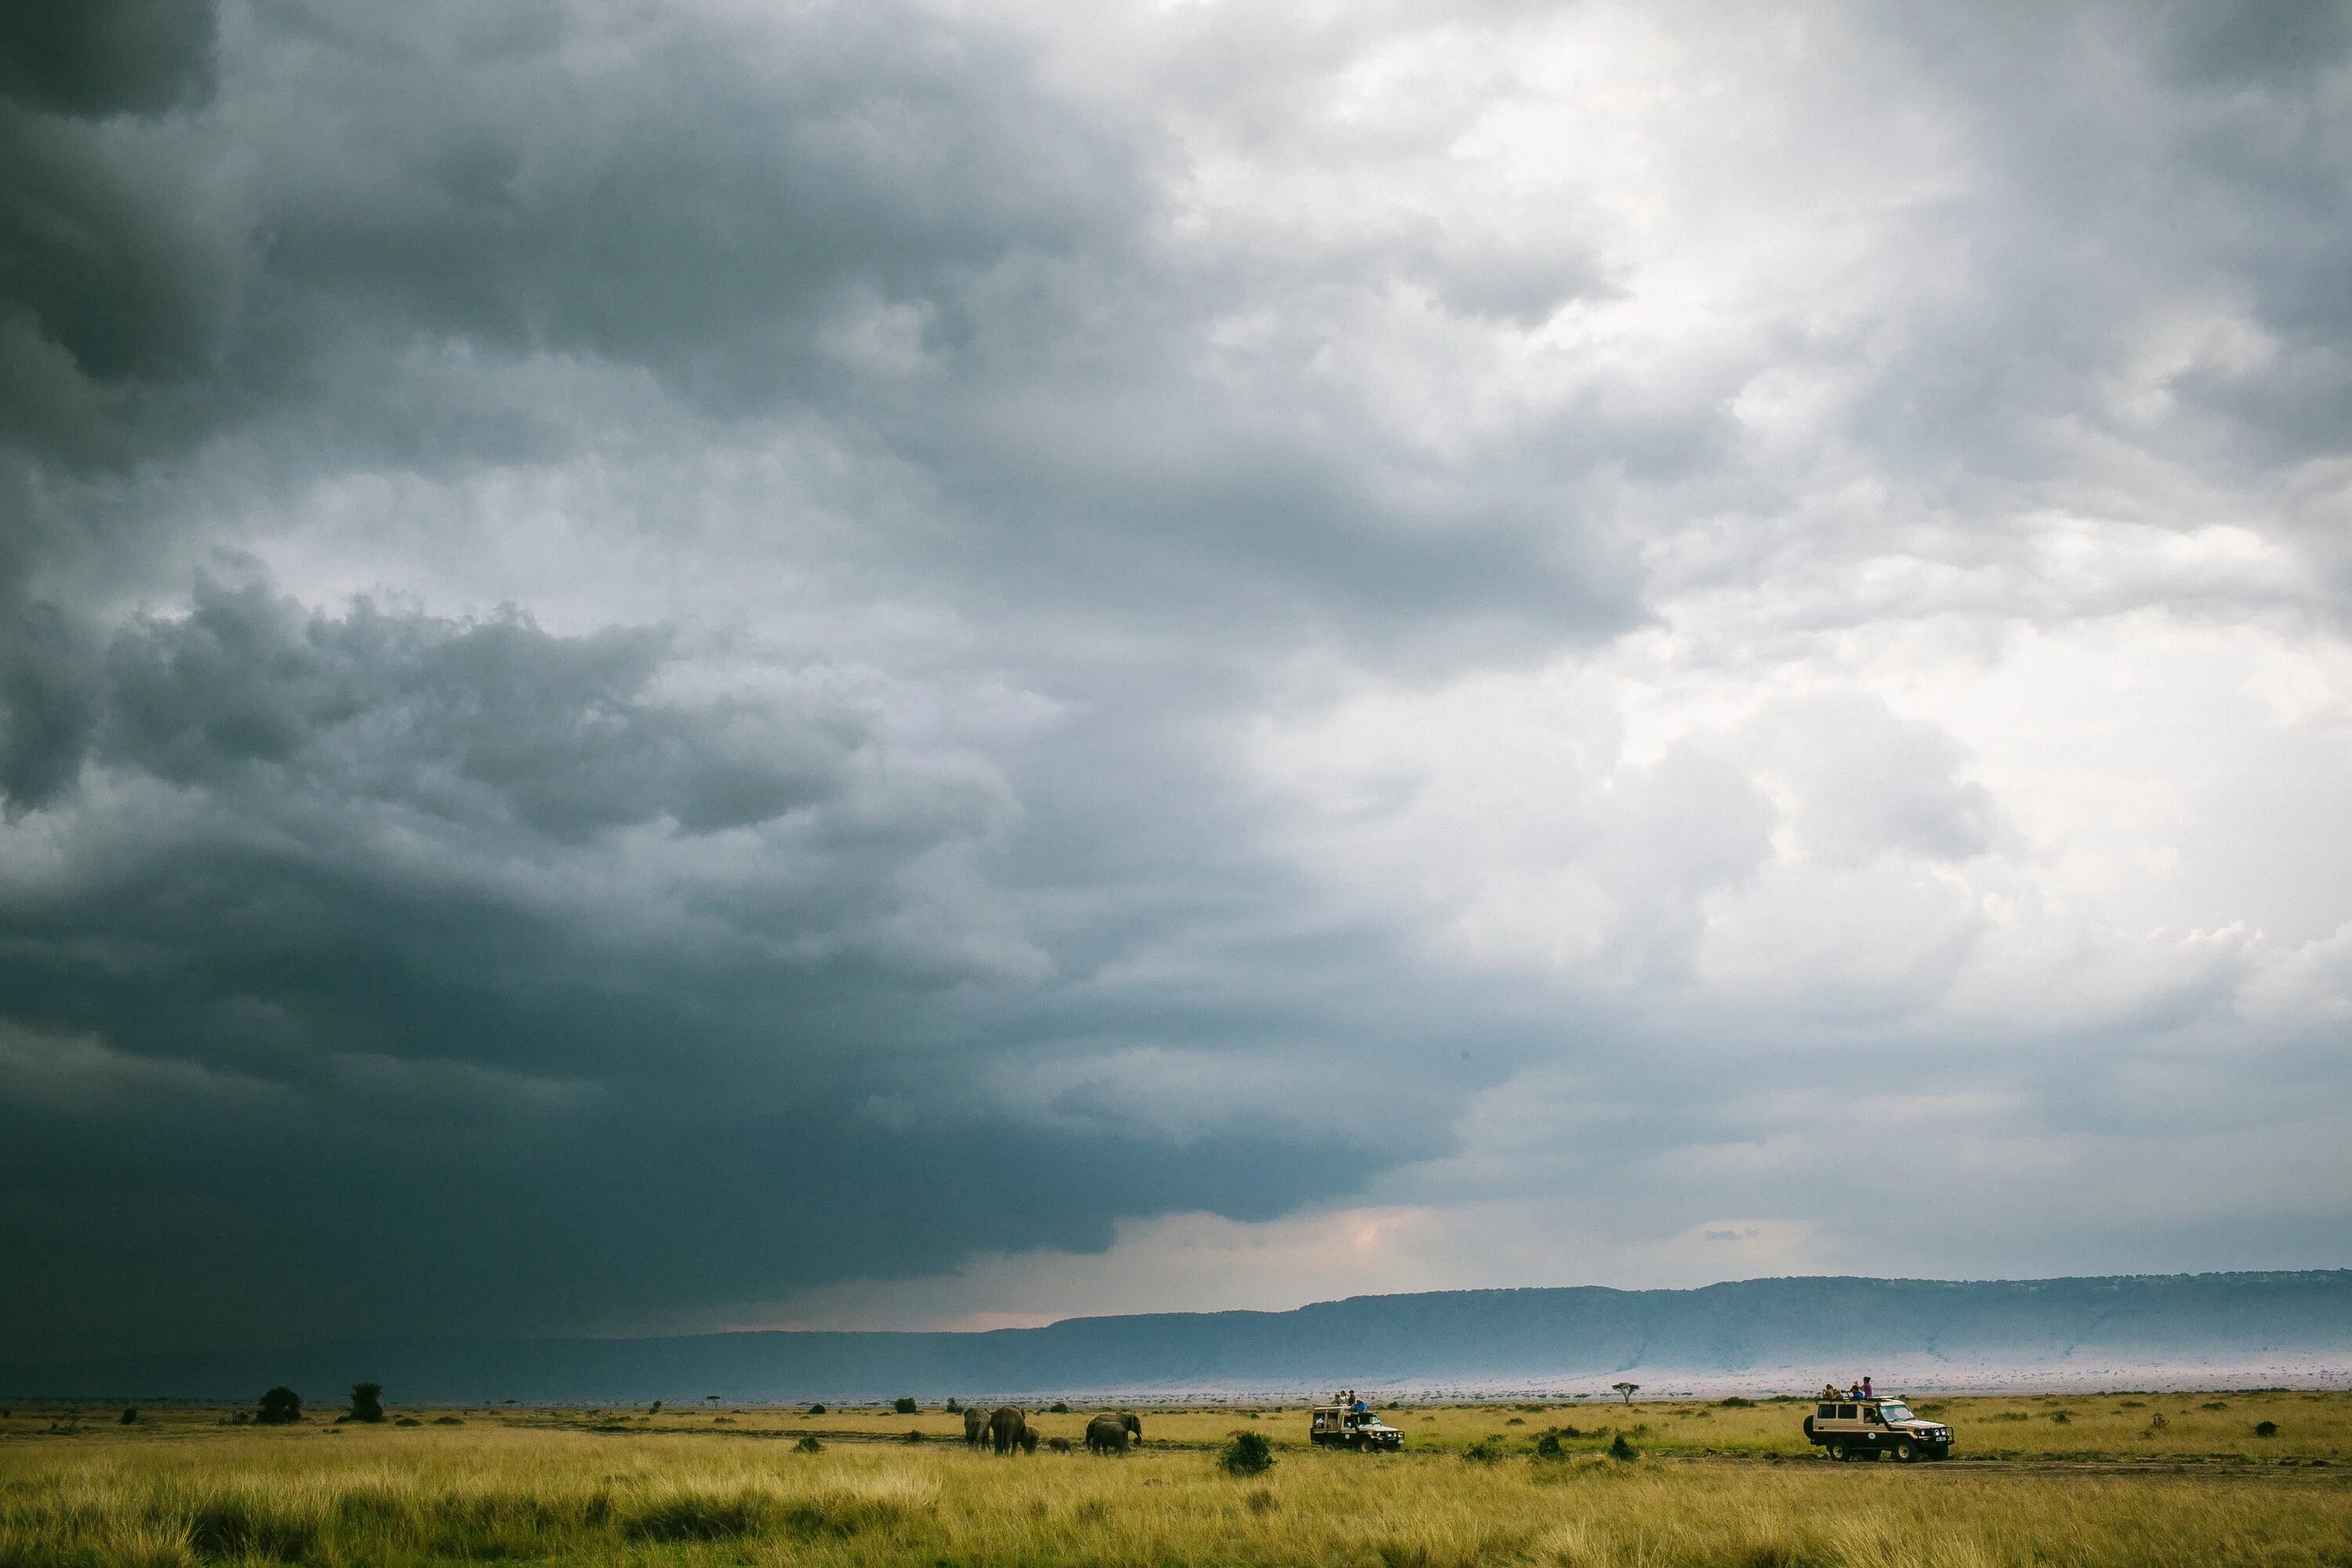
x=130 y=1416
x=449 y=1421
x=1736 y=1403
x=1248 y=1454
x=816 y=1409
x=914 y=1435
x=2265 y=1428
x=903 y=1406
x=954 y=1408
x=809 y=1444
x=1621 y=1449
x=281 y=1407
x=1548 y=1446
x=1485 y=1451
x=367 y=1402
x=1057 y=1408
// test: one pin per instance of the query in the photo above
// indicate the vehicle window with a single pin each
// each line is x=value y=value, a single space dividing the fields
x=1846 y=1413
x=1894 y=1412
x=1825 y=1412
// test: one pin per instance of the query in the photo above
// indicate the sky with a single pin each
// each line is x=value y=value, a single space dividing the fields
x=671 y=665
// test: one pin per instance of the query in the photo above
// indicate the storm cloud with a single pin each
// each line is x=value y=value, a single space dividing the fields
x=679 y=665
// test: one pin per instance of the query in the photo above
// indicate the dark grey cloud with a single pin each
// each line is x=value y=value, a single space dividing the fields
x=805 y=716
x=383 y=950
x=108 y=57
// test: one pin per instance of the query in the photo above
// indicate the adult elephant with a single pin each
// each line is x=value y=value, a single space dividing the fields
x=1008 y=1428
x=975 y=1428
x=1108 y=1434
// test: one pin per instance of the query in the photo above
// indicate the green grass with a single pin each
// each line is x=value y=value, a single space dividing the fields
x=1716 y=1485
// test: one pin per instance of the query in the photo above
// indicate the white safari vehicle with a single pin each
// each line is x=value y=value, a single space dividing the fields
x=1867 y=1428
x=1342 y=1426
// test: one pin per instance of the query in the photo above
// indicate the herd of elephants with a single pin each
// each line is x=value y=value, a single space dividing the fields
x=1006 y=1428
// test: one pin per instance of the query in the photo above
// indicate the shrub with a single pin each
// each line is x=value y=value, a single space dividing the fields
x=367 y=1402
x=1248 y=1454
x=904 y=1404
x=954 y=1408
x=2265 y=1428
x=130 y=1416
x=408 y=1421
x=1057 y=1408
x=1548 y=1446
x=1485 y=1451
x=1736 y=1403
x=281 y=1407
x=809 y=1444
x=449 y=1421
x=914 y=1435
x=816 y=1409
x=2060 y=1418
x=1261 y=1501
x=1621 y=1449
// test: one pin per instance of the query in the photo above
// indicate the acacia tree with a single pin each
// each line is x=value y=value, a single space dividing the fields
x=367 y=1402
x=1628 y=1390
x=281 y=1407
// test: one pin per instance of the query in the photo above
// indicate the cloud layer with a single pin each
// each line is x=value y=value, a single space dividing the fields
x=672 y=665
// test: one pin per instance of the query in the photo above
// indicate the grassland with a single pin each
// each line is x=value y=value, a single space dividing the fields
x=1714 y=1485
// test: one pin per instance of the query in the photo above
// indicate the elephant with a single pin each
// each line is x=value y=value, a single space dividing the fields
x=1028 y=1439
x=1008 y=1426
x=1059 y=1445
x=975 y=1428
x=1108 y=1434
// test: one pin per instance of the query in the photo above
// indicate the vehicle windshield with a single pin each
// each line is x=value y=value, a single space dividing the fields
x=1895 y=1410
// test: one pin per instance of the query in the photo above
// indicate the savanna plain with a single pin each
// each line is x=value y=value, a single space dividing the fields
x=2077 y=1478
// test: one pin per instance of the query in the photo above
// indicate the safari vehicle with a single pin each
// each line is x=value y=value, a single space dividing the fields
x=1341 y=1426
x=1867 y=1428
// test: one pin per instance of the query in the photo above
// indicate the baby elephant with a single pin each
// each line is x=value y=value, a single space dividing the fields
x=1059 y=1445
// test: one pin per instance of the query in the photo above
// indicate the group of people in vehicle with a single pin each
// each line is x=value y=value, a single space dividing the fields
x=1859 y=1391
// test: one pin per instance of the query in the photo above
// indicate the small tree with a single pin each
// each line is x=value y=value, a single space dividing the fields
x=130 y=1416
x=367 y=1402
x=1548 y=1446
x=2265 y=1428
x=1619 y=1448
x=1248 y=1455
x=1628 y=1390
x=281 y=1407
x=954 y=1408
x=904 y=1404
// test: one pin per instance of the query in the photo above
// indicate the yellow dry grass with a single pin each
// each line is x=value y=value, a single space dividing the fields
x=180 y=1490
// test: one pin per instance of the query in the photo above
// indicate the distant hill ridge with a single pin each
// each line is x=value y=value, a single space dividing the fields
x=1941 y=1333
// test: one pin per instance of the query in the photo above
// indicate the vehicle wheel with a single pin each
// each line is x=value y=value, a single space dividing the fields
x=1902 y=1453
x=1837 y=1451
